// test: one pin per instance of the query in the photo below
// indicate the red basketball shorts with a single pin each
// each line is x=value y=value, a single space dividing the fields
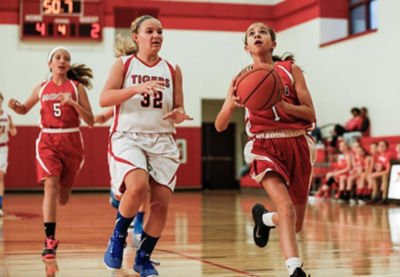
x=291 y=157
x=59 y=155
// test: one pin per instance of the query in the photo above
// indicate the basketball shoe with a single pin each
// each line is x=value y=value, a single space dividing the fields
x=50 y=247
x=115 y=251
x=260 y=231
x=1 y=212
x=299 y=273
x=143 y=265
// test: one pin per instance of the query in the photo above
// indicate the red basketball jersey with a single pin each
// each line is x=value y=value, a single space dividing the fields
x=384 y=160
x=273 y=118
x=53 y=114
x=359 y=164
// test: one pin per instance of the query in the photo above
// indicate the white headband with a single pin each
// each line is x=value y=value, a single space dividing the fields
x=56 y=49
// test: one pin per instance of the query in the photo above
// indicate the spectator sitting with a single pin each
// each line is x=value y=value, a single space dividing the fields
x=365 y=123
x=339 y=174
x=370 y=168
x=381 y=175
x=352 y=125
x=397 y=156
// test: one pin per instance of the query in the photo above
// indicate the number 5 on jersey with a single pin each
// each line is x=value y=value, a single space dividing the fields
x=57 y=109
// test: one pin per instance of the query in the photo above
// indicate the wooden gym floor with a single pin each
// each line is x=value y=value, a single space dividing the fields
x=207 y=234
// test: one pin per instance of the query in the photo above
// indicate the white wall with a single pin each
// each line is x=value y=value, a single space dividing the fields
x=362 y=71
x=358 y=72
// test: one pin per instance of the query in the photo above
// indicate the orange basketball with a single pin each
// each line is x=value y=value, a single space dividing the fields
x=259 y=87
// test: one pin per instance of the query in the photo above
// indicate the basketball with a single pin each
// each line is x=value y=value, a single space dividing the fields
x=259 y=87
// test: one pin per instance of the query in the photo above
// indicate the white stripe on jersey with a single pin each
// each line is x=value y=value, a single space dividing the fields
x=287 y=72
x=42 y=89
x=76 y=90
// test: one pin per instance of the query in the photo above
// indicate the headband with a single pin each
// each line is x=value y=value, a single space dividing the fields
x=56 y=49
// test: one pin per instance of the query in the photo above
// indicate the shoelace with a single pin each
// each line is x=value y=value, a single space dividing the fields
x=116 y=247
x=51 y=243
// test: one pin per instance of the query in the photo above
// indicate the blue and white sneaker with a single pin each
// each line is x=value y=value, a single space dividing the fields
x=143 y=265
x=115 y=251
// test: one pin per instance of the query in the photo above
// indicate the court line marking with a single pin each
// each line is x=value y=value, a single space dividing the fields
x=207 y=262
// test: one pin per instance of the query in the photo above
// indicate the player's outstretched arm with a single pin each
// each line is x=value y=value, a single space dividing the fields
x=19 y=108
x=225 y=114
x=104 y=116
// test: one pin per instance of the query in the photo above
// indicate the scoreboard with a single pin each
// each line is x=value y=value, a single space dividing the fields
x=61 y=19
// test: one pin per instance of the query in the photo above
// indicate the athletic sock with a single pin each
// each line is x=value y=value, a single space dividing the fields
x=330 y=181
x=50 y=229
x=148 y=243
x=139 y=217
x=122 y=224
x=267 y=219
x=292 y=264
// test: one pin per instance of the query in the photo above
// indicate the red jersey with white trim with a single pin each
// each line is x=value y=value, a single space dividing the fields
x=359 y=164
x=273 y=118
x=53 y=114
x=342 y=161
x=384 y=159
x=143 y=113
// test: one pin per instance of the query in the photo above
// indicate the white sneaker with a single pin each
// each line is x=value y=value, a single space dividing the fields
x=1 y=212
x=361 y=202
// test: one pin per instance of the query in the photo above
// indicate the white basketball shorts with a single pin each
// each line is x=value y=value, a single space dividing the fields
x=156 y=153
x=3 y=158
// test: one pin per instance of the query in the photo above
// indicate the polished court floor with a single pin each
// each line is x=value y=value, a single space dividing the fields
x=207 y=234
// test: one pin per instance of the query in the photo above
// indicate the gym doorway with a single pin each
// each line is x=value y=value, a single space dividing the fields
x=222 y=155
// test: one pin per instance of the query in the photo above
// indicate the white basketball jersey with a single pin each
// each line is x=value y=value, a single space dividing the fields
x=4 y=127
x=144 y=113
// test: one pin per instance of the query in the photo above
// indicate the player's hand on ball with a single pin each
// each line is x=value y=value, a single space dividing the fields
x=234 y=99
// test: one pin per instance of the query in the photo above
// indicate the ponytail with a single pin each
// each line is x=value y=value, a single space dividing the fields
x=81 y=73
x=125 y=45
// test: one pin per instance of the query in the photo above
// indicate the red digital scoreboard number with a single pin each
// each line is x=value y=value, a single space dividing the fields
x=61 y=19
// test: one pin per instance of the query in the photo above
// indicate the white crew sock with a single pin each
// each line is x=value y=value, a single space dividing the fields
x=267 y=219
x=292 y=264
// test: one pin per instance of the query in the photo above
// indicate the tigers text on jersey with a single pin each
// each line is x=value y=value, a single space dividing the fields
x=53 y=114
x=143 y=113
x=273 y=118
x=4 y=127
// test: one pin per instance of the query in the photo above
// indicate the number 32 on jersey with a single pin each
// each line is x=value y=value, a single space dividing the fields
x=157 y=100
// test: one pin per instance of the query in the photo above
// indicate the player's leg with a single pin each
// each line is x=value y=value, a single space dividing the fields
x=160 y=198
x=64 y=194
x=285 y=218
x=1 y=191
x=137 y=185
x=49 y=216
